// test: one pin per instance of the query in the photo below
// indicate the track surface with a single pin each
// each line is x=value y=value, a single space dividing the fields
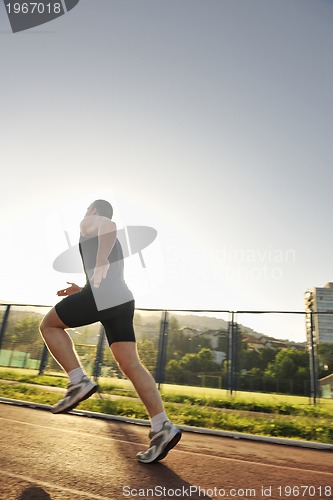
x=68 y=457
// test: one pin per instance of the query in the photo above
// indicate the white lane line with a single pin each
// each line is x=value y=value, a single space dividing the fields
x=229 y=459
x=68 y=431
x=261 y=464
x=52 y=486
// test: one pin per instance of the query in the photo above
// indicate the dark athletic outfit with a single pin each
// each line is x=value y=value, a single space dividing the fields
x=112 y=303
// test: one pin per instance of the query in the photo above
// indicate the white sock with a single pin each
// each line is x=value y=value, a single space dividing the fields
x=76 y=375
x=157 y=421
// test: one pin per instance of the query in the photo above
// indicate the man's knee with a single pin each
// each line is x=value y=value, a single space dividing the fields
x=128 y=360
x=51 y=320
x=128 y=366
x=44 y=326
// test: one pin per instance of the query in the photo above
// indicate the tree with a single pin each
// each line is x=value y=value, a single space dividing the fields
x=288 y=371
x=148 y=354
x=190 y=365
x=177 y=344
x=267 y=355
x=325 y=354
x=287 y=362
x=223 y=342
x=202 y=362
x=175 y=374
x=249 y=359
x=25 y=335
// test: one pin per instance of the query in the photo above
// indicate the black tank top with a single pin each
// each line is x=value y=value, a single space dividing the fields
x=88 y=250
x=113 y=290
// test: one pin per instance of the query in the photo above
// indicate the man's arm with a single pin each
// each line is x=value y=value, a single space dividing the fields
x=73 y=288
x=106 y=230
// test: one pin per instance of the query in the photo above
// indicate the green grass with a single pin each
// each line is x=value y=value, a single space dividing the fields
x=32 y=377
x=254 y=413
x=257 y=397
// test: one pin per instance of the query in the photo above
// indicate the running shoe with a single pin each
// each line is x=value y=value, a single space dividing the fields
x=75 y=394
x=161 y=442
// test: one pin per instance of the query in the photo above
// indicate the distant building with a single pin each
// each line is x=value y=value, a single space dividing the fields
x=188 y=331
x=214 y=336
x=253 y=343
x=320 y=300
x=219 y=357
x=326 y=387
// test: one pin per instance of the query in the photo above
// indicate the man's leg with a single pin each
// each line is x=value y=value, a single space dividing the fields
x=166 y=435
x=127 y=357
x=58 y=342
x=61 y=346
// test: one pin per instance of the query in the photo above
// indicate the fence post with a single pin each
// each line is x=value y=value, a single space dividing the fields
x=232 y=354
x=97 y=370
x=162 y=344
x=43 y=360
x=311 y=344
x=312 y=347
x=4 y=325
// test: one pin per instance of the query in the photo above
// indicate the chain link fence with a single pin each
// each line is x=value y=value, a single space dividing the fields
x=213 y=349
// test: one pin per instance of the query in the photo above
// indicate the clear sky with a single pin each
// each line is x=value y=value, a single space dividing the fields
x=209 y=120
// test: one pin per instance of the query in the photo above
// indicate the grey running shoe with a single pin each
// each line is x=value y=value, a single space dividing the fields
x=75 y=394
x=161 y=442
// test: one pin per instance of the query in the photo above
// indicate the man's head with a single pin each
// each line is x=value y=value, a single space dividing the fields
x=100 y=207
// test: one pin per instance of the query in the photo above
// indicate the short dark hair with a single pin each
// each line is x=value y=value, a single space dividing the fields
x=103 y=207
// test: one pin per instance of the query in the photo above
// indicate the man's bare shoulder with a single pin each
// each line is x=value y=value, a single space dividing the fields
x=94 y=225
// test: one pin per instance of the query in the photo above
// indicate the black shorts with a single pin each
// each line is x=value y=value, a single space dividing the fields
x=80 y=309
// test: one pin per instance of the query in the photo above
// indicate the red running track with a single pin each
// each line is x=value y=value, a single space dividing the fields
x=68 y=457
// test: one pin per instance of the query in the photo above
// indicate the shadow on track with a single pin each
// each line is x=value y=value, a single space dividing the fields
x=34 y=493
x=151 y=476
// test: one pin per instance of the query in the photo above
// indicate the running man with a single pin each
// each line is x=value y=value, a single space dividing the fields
x=105 y=298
